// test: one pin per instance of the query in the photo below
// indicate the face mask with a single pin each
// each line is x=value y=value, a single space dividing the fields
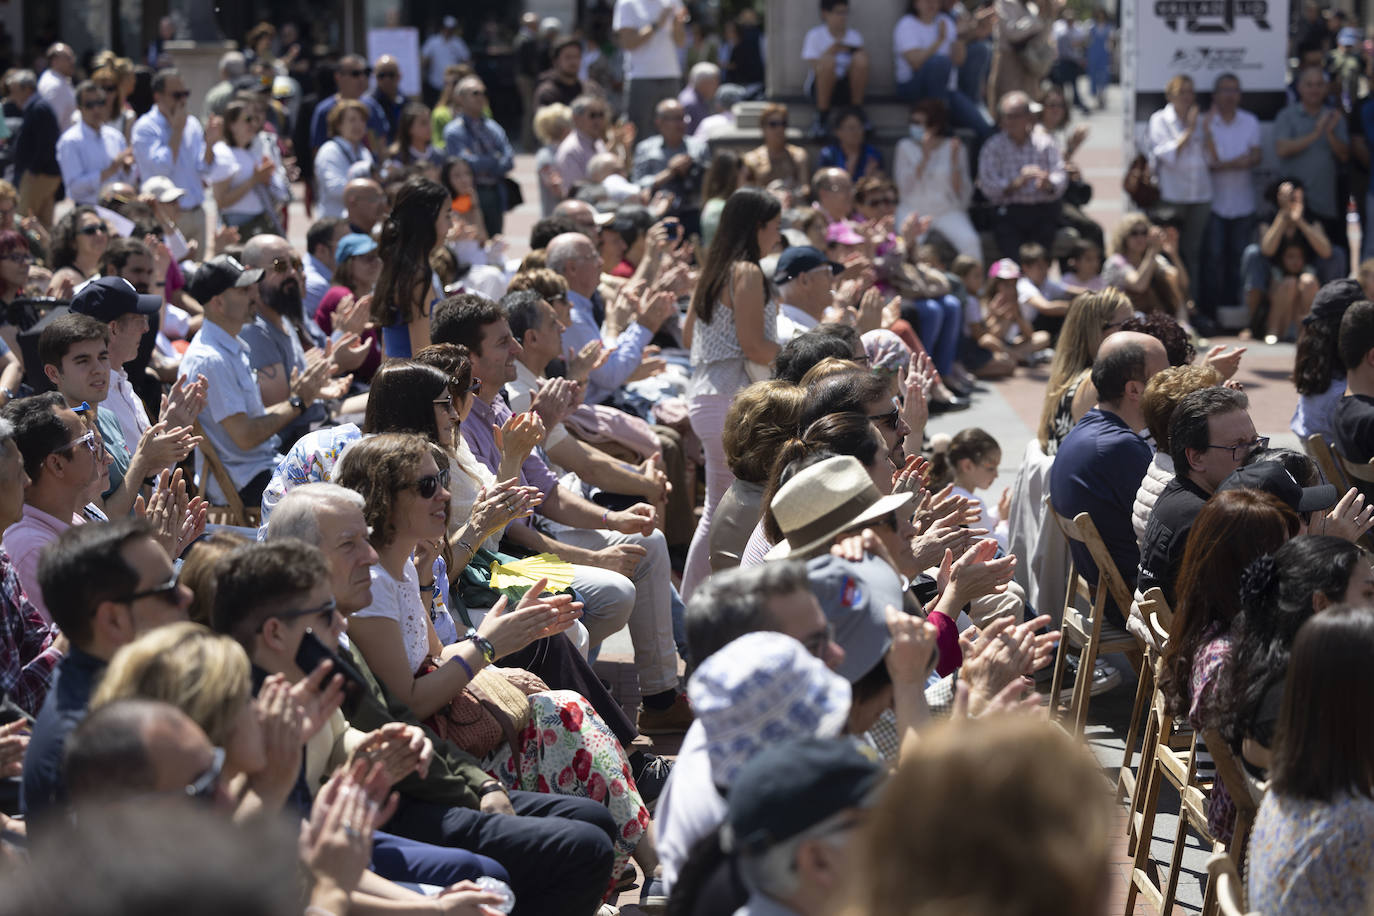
x=918 y=132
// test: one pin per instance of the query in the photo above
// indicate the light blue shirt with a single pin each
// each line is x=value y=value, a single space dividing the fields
x=317 y=275
x=482 y=144
x=154 y=155
x=225 y=361
x=627 y=351
x=83 y=153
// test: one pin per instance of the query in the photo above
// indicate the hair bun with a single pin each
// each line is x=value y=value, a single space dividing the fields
x=1259 y=581
x=939 y=443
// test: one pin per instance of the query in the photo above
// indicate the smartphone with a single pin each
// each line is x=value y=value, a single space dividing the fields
x=674 y=228
x=313 y=651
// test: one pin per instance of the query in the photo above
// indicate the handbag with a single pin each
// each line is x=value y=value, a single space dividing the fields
x=514 y=196
x=1078 y=193
x=1140 y=183
x=489 y=710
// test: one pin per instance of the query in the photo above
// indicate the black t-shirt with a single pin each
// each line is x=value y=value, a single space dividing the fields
x=1166 y=535
x=1353 y=424
x=551 y=90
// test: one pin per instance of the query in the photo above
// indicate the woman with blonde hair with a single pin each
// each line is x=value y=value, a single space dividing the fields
x=760 y=421
x=552 y=124
x=1091 y=319
x=1139 y=268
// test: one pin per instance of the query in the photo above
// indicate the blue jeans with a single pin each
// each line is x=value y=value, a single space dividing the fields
x=412 y=862
x=1226 y=242
x=932 y=81
x=938 y=323
x=973 y=72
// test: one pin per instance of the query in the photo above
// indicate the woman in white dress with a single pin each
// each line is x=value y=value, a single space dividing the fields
x=249 y=181
x=931 y=169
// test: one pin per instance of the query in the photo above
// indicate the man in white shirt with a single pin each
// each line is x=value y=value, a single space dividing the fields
x=839 y=64
x=1185 y=181
x=1231 y=140
x=168 y=141
x=91 y=152
x=442 y=50
x=55 y=85
x=650 y=33
x=803 y=279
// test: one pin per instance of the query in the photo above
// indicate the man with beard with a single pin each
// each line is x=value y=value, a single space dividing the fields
x=281 y=335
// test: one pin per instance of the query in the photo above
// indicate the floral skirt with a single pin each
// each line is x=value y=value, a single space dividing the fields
x=567 y=749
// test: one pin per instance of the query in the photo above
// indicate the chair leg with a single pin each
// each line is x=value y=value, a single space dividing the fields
x=1176 y=857
x=1136 y=808
x=1140 y=864
x=1144 y=690
x=1057 y=681
x=1083 y=686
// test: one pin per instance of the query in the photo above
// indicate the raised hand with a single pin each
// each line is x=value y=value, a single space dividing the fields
x=518 y=436
x=181 y=406
x=536 y=616
x=496 y=508
x=583 y=363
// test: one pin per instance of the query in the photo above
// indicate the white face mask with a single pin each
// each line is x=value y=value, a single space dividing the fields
x=918 y=132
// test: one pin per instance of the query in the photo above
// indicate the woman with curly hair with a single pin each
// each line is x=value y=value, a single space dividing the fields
x=78 y=241
x=1318 y=373
x=563 y=746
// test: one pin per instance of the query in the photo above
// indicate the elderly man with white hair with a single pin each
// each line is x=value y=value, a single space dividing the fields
x=698 y=98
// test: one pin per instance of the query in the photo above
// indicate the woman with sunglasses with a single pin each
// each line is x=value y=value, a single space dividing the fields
x=406 y=292
x=931 y=169
x=208 y=676
x=249 y=180
x=776 y=159
x=566 y=747
x=79 y=240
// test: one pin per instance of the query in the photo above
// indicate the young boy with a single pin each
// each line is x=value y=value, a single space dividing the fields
x=839 y=63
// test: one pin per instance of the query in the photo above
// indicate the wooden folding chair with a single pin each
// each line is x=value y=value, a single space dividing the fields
x=234 y=513
x=1320 y=451
x=1245 y=791
x=1088 y=634
x=1129 y=784
x=1357 y=471
x=1223 y=874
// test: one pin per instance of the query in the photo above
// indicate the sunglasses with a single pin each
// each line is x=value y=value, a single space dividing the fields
x=325 y=612
x=774 y=123
x=367 y=71
x=428 y=485
x=18 y=257
x=204 y=785
x=883 y=202
x=597 y=115
x=95 y=229
x=107 y=87
x=163 y=591
x=388 y=76
x=283 y=265
x=1136 y=233
x=93 y=103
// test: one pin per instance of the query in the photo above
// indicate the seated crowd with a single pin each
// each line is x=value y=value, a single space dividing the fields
x=313 y=551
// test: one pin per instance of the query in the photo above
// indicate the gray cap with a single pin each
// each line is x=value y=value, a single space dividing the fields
x=855 y=598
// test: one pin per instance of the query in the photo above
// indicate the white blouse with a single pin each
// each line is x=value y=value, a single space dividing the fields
x=399 y=600
x=932 y=193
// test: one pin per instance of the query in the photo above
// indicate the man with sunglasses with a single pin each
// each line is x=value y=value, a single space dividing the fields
x=388 y=93
x=587 y=139
x=168 y=141
x=61 y=463
x=91 y=152
x=350 y=80
x=480 y=142
x=108 y=584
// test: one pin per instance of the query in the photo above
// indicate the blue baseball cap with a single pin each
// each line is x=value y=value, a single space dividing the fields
x=352 y=245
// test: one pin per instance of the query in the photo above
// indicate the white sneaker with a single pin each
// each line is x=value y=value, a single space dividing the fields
x=608 y=910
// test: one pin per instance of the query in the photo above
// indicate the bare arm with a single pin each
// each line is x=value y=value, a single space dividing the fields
x=748 y=297
x=380 y=641
x=248 y=433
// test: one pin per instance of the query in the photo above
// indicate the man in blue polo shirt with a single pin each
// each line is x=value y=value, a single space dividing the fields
x=1099 y=466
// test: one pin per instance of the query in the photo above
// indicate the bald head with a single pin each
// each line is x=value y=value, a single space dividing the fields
x=365 y=202
x=135 y=746
x=580 y=213
x=1124 y=359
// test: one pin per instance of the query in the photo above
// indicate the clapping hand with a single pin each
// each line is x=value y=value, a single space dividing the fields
x=14 y=741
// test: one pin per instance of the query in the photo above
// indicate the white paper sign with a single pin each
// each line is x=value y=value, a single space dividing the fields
x=1206 y=38
x=402 y=44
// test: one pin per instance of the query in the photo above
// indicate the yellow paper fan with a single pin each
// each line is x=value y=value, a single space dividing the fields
x=524 y=573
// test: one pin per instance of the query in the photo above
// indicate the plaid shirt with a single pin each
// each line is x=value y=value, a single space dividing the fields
x=27 y=657
x=1001 y=161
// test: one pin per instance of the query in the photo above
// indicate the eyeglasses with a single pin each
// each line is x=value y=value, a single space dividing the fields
x=284 y=265
x=388 y=75
x=18 y=257
x=597 y=115
x=445 y=403
x=325 y=612
x=774 y=123
x=366 y=71
x=163 y=591
x=1242 y=449
x=95 y=229
x=181 y=95
x=817 y=642
x=87 y=440
x=890 y=419
x=94 y=103
x=204 y=785
x=428 y=485
x=883 y=202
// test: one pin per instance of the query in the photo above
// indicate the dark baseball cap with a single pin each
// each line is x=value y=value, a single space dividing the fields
x=793 y=786
x=797 y=260
x=1334 y=298
x=108 y=298
x=218 y=274
x=1274 y=479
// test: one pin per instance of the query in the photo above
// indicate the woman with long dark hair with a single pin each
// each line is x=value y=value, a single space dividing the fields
x=418 y=222
x=1312 y=850
x=1318 y=372
x=78 y=241
x=413 y=146
x=733 y=324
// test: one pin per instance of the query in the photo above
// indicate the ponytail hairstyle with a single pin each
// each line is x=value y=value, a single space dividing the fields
x=1277 y=597
x=408 y=236
x=849 y=433
x=973 y=443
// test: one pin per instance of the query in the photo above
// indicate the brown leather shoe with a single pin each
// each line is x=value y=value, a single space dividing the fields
x=674 y=720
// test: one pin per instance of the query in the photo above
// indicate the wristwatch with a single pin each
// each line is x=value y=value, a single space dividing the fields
x=297 y=402
x=489 y=788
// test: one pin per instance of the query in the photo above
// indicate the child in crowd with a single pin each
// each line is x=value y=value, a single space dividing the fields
x=1043 y=301
x=969 y=460
x=1006 y=321
x=981 y=352
x=1085 y=269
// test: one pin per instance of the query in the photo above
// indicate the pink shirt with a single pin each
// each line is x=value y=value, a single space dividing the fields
x=25 y=540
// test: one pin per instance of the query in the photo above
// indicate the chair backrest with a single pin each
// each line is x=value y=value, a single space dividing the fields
x=1320 y=451
x=232 y=513
x=1081 y=528
x=1356 y=470
x=1230 y=892
x=1243 y=791
x=1155 y=609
